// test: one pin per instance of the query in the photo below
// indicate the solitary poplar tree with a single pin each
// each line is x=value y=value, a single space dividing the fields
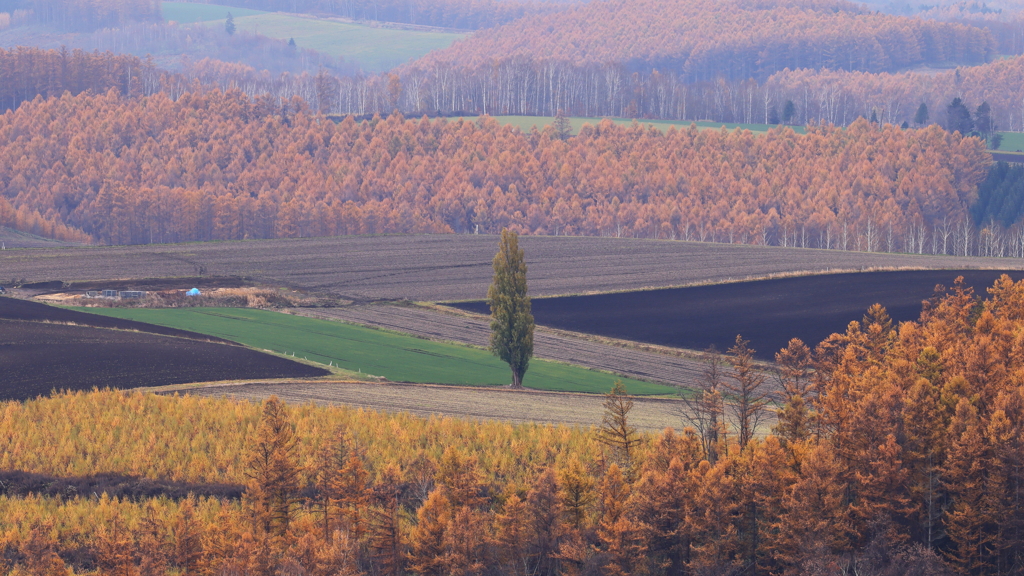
x=511 y=320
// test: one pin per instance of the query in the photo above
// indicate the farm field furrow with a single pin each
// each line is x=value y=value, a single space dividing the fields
x=455 y=267
x=38 y=358
x=768 y=312
x=397 y=357
x=437 y=325
x=648 y=414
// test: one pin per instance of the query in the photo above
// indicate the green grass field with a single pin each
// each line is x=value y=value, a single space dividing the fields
x=1012 y=142
x=397 y=357
x=374 y=49
x=192 y=12
x=525 y=123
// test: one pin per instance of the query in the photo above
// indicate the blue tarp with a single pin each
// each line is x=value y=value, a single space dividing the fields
x=193 y=292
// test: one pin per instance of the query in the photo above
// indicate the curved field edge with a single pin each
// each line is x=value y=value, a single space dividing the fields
x=41 y=357
x=767 y=313
x=439 y=323
x=367 y=351
x=455 y=267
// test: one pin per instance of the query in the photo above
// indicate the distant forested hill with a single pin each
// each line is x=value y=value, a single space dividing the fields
x=213 y=165
x=735 y=39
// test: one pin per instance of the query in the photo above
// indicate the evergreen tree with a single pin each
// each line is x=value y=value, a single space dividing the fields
x=562 y=127
x=616 y=431
x=788 y=111
x=958 y=117
x=983 y=119
x=229 y=25
x=511 y=320
x=921 y=117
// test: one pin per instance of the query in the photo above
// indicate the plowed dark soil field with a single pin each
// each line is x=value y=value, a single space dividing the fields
x=40 y=352
x=16 y=309
x=767 y=312
x=453 y=267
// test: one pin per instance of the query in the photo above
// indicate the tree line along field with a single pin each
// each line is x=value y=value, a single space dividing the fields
x=839 y=38
x=528 y=123
x=768 y=313
x=396 y=357
x=43 y=349
x=401 y=176
x=454 y=267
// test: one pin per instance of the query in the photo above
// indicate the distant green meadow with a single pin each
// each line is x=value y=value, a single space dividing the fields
x=1012 y=142
x=526 y=123
x=192 y=12
x=373 y=48
x=397 y=357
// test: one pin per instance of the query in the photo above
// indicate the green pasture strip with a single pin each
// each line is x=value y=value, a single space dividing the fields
x=374 y=49
x=526 y=123
x=192 y=12
x=397 y=357
x=1012 y=142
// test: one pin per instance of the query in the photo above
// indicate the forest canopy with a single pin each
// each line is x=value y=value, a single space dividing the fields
x=215 y=165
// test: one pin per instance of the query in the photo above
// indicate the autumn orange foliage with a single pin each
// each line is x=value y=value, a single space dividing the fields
x=737 y=39
x=215 y=165
x=909 y=462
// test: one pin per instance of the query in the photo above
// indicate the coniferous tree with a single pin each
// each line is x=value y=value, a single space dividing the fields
x=921 y=116
x=616 y=432
x=563 y=129
x=788 y=111
x=273 y=474
x=229 y=25
x=511 y=319
x=958 y=118
x=703 y=409
x=746 y=386
x=983 y=120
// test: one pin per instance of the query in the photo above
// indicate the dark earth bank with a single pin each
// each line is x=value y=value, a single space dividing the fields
x=38 y=358
x=16 y=309
x=44 y=348
x=17 y=483
x=766 y=312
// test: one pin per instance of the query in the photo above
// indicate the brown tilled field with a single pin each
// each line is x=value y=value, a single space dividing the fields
x=39 y=357
x=43 y=348
x=11 y=239
x=453 y=267
x=550 y=344
x=481 y=403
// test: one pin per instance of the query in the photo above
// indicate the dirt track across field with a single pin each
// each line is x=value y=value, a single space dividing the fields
x=475 y=331
x=453 y=267
x=648 y=414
